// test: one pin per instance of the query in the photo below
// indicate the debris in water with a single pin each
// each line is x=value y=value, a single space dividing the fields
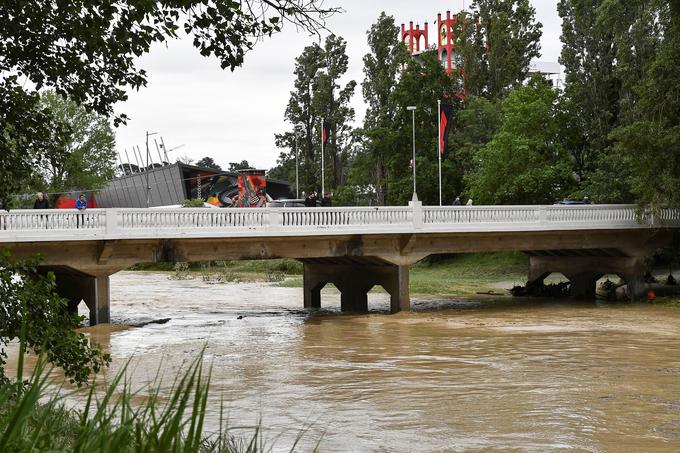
x=155 y=321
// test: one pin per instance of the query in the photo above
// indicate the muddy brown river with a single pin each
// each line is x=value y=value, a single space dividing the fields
x=453 y=375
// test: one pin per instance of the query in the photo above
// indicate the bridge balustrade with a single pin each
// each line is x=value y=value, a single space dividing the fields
x=52 y=219
x=55 y=224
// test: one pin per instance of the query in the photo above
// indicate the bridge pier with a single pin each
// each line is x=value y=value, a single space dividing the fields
x=94 y=290
x=354 y=281
x=584 y=271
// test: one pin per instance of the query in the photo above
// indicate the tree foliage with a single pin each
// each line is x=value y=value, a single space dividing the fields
x=243 y=165
x=29 y=298
x=208 y=162
x=650 y=141
x=523 y=162
x=86 y=51
x=318 y=96
x=498 y=42
x=86 y=155
x=382 y=67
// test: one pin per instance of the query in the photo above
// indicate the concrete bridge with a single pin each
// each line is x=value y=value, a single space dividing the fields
x=352 y=248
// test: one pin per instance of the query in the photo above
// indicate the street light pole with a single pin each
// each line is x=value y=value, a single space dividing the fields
x=412 y=109
x=148 y=187
x=297 y=167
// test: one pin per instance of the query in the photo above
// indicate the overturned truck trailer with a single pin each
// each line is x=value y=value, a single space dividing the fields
x=172 y=184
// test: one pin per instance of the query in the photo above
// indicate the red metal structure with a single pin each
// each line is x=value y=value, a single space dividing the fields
x=414 y=36
x=447 y=45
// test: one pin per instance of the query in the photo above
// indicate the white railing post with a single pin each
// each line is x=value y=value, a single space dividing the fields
x=542 y=215
x=417 y=213
x=275 y=218
x=111 y=216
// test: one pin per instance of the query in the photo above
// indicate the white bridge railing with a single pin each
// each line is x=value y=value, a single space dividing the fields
x=56 y=224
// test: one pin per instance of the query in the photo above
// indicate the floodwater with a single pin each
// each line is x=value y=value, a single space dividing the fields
x=453 y=375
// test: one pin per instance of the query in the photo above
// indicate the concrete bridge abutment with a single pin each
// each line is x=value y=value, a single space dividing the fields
x=583 y=272
x=354 y=281
x=78 y=286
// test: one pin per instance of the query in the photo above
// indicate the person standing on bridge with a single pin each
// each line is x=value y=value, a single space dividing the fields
x=327 y=200
x=456 y=202
x=41 y=202
x=310 y=201
x=81 y=205
x=469 y=203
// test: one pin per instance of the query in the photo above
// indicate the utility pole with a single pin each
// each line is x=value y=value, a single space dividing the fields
x=297 y=165
x=148 y=187
x=412 y=109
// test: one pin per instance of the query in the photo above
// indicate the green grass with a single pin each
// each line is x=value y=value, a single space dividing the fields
x=436 y=275
x=459 y=274
x=287 y=266
x=467 y=273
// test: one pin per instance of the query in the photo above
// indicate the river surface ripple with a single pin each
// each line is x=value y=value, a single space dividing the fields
x=452 y=375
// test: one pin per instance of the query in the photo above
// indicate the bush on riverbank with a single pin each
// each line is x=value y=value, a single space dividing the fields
x=263 y=267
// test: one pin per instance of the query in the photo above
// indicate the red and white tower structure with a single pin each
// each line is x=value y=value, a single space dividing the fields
x=414 y=37
x=448 y=30
x=448 y=43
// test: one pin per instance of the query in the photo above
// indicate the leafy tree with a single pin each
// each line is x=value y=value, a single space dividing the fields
x=331 y=103
x=303 y=140
x=208 y=162
x=317 y=95
x=28 y=301
x=422 y=84
x=243 y=165
x=650 y=143
x=382 y=67
x=474 y=126
x=590 y=105
x=523 y=163
x=608 y=44
x=497 y=44
x=86 y=50
x=86 y=157
x=28 y=134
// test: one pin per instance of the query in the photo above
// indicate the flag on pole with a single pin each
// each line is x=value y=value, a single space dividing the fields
x=326 y=133
x=446 y=120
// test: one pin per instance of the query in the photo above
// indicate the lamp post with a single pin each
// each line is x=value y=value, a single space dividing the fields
x=412 y=109
x=297 y=168
x=148 y=187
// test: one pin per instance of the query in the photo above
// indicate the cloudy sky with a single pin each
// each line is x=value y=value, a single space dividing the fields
x=232 y=116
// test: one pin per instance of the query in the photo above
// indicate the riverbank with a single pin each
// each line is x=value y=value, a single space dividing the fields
x=435 y=276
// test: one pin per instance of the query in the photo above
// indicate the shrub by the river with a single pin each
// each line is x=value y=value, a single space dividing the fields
x=29 y=304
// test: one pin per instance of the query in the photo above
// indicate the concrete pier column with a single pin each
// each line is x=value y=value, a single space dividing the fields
x=583 y=285
x=311 y=287
x=634 y=275
x=354 y=281
x=636 y=287
x=101 y=301
x=396 y=284
x=77 y=287
x=354 y=300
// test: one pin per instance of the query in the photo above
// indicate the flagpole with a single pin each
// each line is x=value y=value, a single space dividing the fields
x=323 y=181
x=439 y=146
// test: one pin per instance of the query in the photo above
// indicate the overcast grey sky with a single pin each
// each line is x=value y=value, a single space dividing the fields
x=233 y=116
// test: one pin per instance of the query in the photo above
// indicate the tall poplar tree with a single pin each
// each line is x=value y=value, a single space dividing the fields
x=590 y=105
x=382 y=68
x=650 y=142
x=497 y=42
x=318 y=95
